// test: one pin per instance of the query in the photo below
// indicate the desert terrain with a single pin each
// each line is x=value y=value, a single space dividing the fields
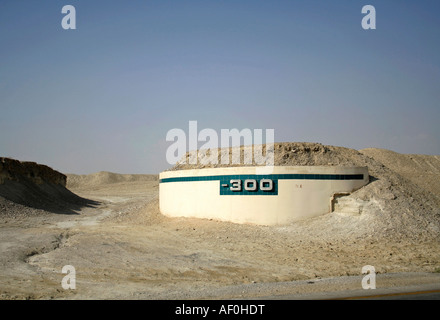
x=109 y=228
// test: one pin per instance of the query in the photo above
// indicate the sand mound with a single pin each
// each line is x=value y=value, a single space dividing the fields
x=37 y=186
x=397 y=202
x=422 y=170
x=75 y=181
x=286 y=154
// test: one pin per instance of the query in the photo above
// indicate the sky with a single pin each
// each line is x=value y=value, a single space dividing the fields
x=103 y=96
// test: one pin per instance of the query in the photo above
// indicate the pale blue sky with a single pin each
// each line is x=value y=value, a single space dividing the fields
x=103 y=96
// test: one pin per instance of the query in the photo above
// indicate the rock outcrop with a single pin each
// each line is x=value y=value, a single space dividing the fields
x=34 y=185
x=14 y=170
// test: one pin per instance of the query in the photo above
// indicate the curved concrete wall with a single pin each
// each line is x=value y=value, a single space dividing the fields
x=241 y=195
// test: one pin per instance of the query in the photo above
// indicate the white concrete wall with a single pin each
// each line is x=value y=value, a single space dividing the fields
x=297 y=199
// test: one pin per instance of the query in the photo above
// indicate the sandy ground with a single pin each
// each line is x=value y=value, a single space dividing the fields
x=123 y=248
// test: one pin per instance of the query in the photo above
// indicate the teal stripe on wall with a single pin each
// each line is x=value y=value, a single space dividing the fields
x=269 y=176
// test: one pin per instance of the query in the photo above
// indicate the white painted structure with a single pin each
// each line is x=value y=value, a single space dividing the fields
x=241 y=195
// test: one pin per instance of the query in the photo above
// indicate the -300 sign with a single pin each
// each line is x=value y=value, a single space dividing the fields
x=251 y=185
x=248 y=187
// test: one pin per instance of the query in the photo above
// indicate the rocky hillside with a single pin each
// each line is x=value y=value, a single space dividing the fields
x=28 y=184
x=14 y=170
